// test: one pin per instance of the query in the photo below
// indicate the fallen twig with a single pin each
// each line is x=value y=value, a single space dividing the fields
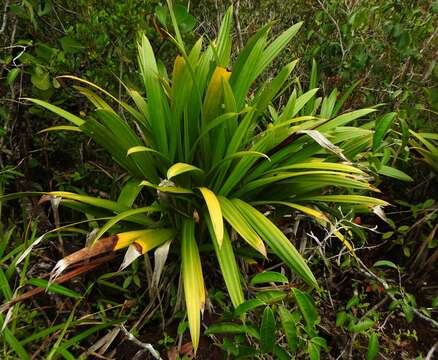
x=365 y=270
x=237 y=22
x=145 y=346
x=338 y=29
x=5 y=17
x=431 y=351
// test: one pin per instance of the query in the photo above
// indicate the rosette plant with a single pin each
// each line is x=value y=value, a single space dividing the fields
x=209 y=151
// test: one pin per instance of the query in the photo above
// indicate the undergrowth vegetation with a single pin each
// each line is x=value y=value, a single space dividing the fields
x=233 y=202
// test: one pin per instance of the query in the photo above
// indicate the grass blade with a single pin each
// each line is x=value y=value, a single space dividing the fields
x=56 y=288
x=13 y=342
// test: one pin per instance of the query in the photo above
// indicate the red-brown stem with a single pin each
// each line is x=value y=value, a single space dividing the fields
x=60 y=280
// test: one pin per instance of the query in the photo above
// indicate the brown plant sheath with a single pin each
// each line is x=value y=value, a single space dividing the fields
x=101 y=246
x=61 y=279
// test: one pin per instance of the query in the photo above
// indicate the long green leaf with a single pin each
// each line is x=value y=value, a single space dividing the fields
x=228 y=265
x=224 y=38
x=129 y=193
x=320 y=165
x=156 y=98
x=120 y=217
x=394 y=173
x=127 y=107
x=90 y=200
x=348 y=199
x=57 y=110
x=56 y=288
x=272 y=51
x=306 y=210
x=344 y=119
x=167 y=189
x=192 y=279
x=61 y=128
x=239 y=223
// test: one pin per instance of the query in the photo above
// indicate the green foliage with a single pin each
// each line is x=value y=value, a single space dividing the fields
x=416 y=238
x=45 y=39
x=388 y=47
x=272 y=158
x=426 y=144
x=207 y=160
x=81 y=46
x=298 y=325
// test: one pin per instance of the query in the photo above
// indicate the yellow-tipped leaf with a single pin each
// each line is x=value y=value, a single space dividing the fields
x=192 y=280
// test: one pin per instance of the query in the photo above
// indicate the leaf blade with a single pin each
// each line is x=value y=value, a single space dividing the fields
x=228 y=265
x=181 y=168
x=277 y=241
x=214 y=208
x=267 y=331
x=192 y=280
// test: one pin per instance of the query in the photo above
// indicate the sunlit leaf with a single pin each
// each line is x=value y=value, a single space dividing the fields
x=192 y=279
x=60 y=128
x=181 y=168
x=214 y=208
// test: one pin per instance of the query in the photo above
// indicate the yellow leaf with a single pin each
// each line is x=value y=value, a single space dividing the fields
x=305 y=209
x=145 y=239
x=215 y=211
x=178 y=68
x=181 y=168
x=346 y=243
x=214 y=94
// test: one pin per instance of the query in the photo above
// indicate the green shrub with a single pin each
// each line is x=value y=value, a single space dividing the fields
x=206 y=146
